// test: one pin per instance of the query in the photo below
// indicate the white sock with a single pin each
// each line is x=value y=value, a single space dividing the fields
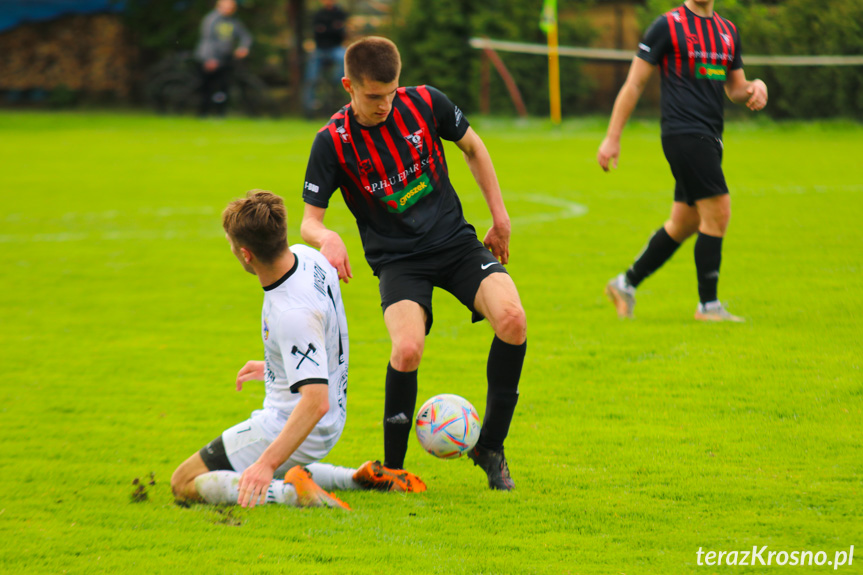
x=331 y=477
x=222 y=488
x=218 y=487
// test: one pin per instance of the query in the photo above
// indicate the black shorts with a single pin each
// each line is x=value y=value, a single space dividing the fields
x=696 y=162
x=214 y=456
x=459 y=270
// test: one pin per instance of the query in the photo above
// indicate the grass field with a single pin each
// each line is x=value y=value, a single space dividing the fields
x=124 y=319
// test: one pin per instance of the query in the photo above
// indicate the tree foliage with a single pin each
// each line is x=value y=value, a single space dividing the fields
x=433 y=39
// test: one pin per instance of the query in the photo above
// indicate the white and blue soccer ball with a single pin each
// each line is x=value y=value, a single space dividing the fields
x=447 y=426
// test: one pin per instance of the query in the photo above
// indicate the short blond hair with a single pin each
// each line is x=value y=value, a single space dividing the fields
x=373 y=58
x=258 y=223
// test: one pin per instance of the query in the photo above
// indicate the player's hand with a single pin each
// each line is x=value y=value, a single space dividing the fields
x=609 y=151
x=757 y=95
x=497 y=240
x=252 y=370
x=211 y=65
x=241 y=53
x=254 y=483
x=334 y=249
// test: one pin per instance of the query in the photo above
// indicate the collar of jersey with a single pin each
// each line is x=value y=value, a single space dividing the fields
x=357 y=123
x=285 y=277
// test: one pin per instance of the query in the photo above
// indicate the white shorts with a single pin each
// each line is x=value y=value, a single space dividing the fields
x=245 y=442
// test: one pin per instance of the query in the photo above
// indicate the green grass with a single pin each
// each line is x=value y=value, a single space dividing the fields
x=124 y=319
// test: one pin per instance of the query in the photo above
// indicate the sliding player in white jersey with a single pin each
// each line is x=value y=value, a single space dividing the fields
x=305 y=371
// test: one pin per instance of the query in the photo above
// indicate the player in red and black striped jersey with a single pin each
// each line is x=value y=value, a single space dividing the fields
x=384 y=152
x=699 y=55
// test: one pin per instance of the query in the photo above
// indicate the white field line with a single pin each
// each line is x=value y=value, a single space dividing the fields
x=566 y=209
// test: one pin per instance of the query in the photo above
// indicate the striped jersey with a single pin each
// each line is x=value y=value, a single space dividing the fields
x=393 y=176
x=695 y=55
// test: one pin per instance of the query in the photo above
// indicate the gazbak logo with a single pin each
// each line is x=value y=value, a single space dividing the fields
x=400 y=201
x=414 y=191
x=710 y=72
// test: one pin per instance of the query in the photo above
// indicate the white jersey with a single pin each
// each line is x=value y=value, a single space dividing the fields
x=305 y=335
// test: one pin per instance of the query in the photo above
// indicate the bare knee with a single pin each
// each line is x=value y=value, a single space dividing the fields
x=715 y=214
x=717 y=223
x=407 y=354
x=180 y=484
x=679 y=231
x=511 y=325
x=183 y=478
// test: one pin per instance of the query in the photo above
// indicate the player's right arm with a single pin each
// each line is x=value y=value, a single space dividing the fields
x=655 y=44
x=322 y=180
x=316 y=234
x=296 y=331
x=639 y=74
x=255 y=480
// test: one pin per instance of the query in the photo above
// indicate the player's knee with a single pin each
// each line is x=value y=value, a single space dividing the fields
x=406 y=355
x=717 y=223
x=680 y=231
x=511 y=325
x=180 y=484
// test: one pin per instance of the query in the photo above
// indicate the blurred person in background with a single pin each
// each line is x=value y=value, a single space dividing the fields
x=699 y=55
x=328 y=26
x=223 y=38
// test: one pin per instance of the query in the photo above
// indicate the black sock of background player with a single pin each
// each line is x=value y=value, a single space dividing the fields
x=659 y=248
x=399 y=405
x=504 y=370
x=708 y=257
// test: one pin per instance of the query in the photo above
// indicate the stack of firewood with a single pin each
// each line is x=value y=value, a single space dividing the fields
x=86 y=54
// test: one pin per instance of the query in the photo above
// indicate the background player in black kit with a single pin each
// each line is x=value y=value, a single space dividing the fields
x=384 y=152
x=698 y=53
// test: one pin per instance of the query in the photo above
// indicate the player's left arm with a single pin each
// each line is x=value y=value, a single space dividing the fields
x=255 y=480
x=293 y=330
x=753 y=93
x=479 y=161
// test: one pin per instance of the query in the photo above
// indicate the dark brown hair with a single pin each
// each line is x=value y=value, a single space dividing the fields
x=373 y=58
x=258 y=223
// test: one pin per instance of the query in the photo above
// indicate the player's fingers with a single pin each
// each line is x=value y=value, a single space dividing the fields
x=615 y=163
x=256 y=496
x=602 y=161
x=348 y=267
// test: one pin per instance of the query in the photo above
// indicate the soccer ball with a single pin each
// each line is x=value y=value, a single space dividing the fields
x=447 y=426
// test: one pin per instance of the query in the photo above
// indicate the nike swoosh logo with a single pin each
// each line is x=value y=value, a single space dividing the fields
x=486 y=266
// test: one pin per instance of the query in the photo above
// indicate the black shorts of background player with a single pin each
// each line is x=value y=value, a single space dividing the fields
x=698 y=53
x=384 y=152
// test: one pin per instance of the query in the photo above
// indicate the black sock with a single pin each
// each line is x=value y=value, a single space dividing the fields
x=660 y=247
x=399 y=405
x=504 y=370
x=708 y=257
